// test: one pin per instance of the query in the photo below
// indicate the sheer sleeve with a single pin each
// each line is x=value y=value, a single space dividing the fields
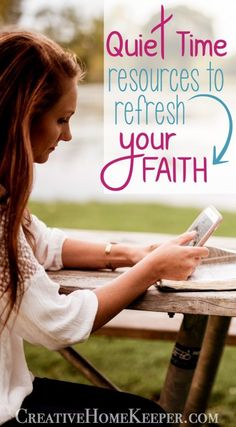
x=49 y=243
x=45 y=317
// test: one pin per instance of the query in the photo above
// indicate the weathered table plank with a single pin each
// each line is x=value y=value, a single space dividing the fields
x=220 y=303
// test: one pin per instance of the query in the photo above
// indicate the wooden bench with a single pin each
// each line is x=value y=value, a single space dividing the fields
x=150 y=325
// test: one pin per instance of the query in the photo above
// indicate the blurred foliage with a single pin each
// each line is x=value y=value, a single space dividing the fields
x=10 y=11
x=67 y=28
x=86 y=40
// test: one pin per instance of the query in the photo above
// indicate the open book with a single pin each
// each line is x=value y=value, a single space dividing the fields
x=216 y=273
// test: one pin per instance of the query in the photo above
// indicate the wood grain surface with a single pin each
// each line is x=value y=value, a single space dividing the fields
x=220 y=303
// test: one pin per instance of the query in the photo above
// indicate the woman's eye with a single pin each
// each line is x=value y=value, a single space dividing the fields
x=60 y=121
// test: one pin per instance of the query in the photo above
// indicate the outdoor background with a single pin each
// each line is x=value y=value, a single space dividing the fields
x=61 y=197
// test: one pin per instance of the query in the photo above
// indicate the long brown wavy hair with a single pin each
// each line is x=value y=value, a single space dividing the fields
x=32 y=71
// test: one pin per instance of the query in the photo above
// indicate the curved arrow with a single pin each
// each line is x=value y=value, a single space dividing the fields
x=218 y=159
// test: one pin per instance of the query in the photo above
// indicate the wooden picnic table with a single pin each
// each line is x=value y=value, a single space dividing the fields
x=201 y=338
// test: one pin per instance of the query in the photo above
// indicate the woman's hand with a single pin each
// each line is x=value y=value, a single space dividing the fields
x=171 y=260
x=138 y=252
x=174 y=260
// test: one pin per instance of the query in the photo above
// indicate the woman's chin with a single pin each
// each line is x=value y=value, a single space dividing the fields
x=42 y=158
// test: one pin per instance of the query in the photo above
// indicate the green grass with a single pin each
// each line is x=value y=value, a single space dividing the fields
x=138 y=366
x=123 y=361
x=125 y=216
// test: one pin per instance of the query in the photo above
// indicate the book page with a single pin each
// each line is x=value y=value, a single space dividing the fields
x=212 y=272
x=217 y=272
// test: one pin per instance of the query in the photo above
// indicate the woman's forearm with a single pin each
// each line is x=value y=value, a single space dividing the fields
x=173 y=260
x=87 y=255
x=169 y=261
x=118 y=294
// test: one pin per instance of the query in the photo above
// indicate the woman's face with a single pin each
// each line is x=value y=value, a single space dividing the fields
x=53 y=126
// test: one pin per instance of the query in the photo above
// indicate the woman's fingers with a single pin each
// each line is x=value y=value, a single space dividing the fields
x=196 y=251
x=185 y=238
x=199 y=251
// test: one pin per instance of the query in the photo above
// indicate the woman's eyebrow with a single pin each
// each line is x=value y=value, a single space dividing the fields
x=69 y=112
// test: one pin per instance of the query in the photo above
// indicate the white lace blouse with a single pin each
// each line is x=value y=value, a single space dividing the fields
x=45 y=317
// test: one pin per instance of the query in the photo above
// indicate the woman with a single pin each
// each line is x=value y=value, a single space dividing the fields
x=38 y=93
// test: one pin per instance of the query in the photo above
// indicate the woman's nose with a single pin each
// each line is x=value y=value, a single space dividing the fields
x=66 y=134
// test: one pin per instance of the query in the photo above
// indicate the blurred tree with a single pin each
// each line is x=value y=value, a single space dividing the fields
x=85 y=39
x=10 y=11
x=95 y=59
x=60 y=26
